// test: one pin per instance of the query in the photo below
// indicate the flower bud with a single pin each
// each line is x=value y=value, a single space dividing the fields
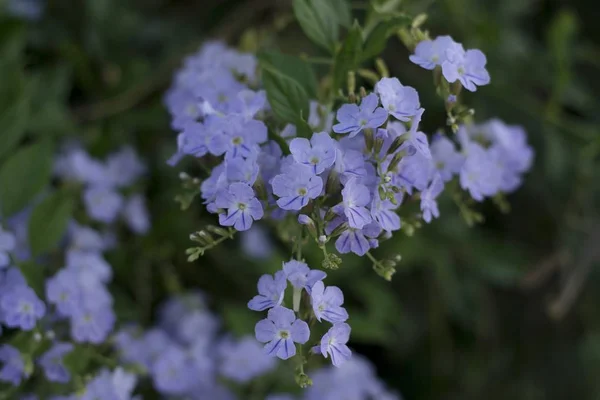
x=339 y=230
x=368 y=133
x=332 y=186
x=307 y=221
x=397 y=143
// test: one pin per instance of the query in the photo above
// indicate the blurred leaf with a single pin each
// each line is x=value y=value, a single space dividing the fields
x=34 y=275
x=13 y=121
x=50 y=89
x=377 y=39
x=347 y=58
x=77 y=360
x=293 y=67
x=286 y=96
x=24 y=175
x=49 y=220
x=319 y=21
x=239 y=319
x=343 y=12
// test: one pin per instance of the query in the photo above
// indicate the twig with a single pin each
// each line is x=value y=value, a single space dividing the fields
x=544 y=269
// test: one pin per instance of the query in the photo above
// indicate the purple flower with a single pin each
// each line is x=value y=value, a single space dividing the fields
x=353 y=119
x=183 y=106
x=257 y=243
x=428 y=204
x=243 y=360
x=318 y=117
x=357 y=241
x=63 y=290
x=8 y=243
x=318 y=154
x=270 y=291
x=21 y=308
x=238 y=137
x=467 y=67
x=400 y=101
x=447 y=160
x=248 y=103
x=327 y=303
x=480 y=174
x=102 y=204
x=300 y=276
x=92 y=326
x=90 y=267
x=52 y=363
x=384 y=213
x=416 y=138
x=194 y=139
x=430 y=53
x=124 y=167
x=279 y=331
x=296 y=187
x=414 y=172
x=172 y=372
x=334 y=342
x=241 y=205
x=13 y=369
x=350 y=164
x=136 y=214
x=355 y=199
x=241 y=169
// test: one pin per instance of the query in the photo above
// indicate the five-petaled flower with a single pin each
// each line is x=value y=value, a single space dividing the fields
x=280 y=330
x=241 y=206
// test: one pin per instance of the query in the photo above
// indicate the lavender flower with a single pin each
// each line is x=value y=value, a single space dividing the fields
x=467 y=67
x=300 y=276
x=431 y=53
x=51 y=362
x=241 y=205
x=243 y=360
x=238 y=137
x=280 y=330
x=13 y=369
x=400 y=101
x=334 y=342
x=21 y=308
x=171 y=372
x=136 y=214
x=429 y=206
x=355 y=199
x=102 y=204
x=327 y=303
x=318 y=154
x=353 y=119
x=447 y=160
x=92 y=325
x=296 y=187
x=270 y=291
x=8 y=243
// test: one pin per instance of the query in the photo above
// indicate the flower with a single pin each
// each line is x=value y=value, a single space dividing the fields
x=279 y=331
x=63 y=290
x=384 y=213
x=327 y=303
x=430 y=53
x=400 y=101
x=21 y=308
x=355 y=199
x=334 y=342
x=300 y=276
x=172 y=373
x=357 y=241
x=241 y=206
x=480 y=174
x=270 y=291
x=102 y=203
x=467 y=67
x=7 y=244
x=136 y=214
x=428 y=204
x=92 y=325
x=52 y=363
x=447 y=160
x=318 y=154
x=13 y=370
x=124 y=167
x=353 y=119
x=238 y=137
x=244 y=359
x=296 y=187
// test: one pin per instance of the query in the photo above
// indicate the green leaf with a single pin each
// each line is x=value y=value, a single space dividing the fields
x=343 y=12
x=78 y=359
x=319 y=21
x=287 y=98
x=49 y=221
x=13 y=121
x=293 y=67
x=348 y=57
x=34 y=275
x=24 y=175
x=377 y=39
x=50 y=88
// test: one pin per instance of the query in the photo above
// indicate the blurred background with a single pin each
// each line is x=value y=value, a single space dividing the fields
x=506 y=309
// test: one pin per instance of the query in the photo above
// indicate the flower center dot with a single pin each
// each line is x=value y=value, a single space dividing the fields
x=314 y=160
x=284 y=334
x=237 y=140
x=242 y=206
x=302 y=191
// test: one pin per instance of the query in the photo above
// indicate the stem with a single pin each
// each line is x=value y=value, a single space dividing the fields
x=318 y=60
x=280 y=141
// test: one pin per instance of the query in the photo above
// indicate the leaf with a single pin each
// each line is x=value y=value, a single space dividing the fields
x=377 y=39
x=78 y=359
x=343 y=12
x=319 y=21
x=34 y=275
x=293 y=67
x=24 y=175
x=50 y=88
x=286 y=96
x=13 y=121
x=49 y=220
x=348 y=57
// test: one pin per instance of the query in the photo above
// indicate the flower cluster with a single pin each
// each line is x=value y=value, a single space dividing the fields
x=77 y=294
x=345 y=182
x=467 y=67
x=282 y=329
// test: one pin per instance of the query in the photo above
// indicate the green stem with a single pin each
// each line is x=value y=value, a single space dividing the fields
x=318 y=60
